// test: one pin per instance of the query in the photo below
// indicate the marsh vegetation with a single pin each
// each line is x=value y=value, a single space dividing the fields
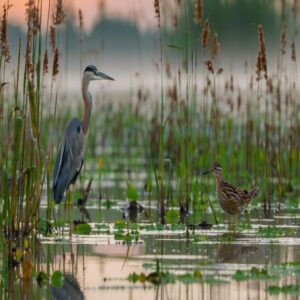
x=144 y=220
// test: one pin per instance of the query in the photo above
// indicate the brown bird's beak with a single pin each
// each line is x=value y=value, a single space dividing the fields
x=206 y=172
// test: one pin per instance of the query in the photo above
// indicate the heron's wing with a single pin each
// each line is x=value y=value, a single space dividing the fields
x=70 y=158
x=59 y=160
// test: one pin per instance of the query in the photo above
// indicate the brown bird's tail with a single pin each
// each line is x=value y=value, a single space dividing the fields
x=254 y=191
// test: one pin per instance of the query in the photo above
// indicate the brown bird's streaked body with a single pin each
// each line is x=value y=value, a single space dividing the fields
x=232 y=199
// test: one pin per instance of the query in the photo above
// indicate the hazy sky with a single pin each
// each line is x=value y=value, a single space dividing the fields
x=139 y=11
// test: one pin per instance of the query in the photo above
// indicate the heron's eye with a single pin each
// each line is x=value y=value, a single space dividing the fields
x=78 y=129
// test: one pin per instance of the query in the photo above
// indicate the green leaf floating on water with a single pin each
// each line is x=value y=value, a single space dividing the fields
x=286 y=289
x=57 y=279
x=172 y=216
x=132 y=194
x=83 y=229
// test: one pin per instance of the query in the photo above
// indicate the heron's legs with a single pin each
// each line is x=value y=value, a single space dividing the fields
x=71 y=209
x=65 y=212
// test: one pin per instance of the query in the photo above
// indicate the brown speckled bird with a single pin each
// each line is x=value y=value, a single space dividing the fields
x=232 y=200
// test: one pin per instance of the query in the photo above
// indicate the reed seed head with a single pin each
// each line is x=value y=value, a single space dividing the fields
x=33 y=17
x=45 y=62
x=3 y=35
x=293 y=52
x=283 y=40
x=157 y=11
x=261 y=62
x=55 y=68
x=205 y=35
x=80 y=17
x=53 y=38
x=209 y=66
x=198 y=11
x=294 y=8
x=59 y=16
x=216 y=46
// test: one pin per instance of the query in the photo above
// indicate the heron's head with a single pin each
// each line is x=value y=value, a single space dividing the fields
x=92 y=73
x=215 y=169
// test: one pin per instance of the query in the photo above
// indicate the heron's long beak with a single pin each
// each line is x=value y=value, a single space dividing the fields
x=206 y=172
x=103 y=76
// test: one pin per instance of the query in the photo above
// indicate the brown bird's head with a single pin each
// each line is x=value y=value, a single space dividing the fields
x=215 y=169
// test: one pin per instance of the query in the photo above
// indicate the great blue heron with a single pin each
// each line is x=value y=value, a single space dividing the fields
x=71 y=151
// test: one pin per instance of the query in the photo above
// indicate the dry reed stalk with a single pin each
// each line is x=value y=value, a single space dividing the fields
x=261 y=62
x=55 y=68
x=205 y=35
x=45 y=62
x=157 y=11
x=3 y=35
x=198 y=11
x=59 y=16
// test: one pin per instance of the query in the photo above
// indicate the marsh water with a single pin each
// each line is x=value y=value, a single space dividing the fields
x=98 y=266
x=192 y=259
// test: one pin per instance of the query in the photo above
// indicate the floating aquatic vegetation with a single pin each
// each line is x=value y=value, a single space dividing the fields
x=83 y=229
x=254 y=274
x=290 y=289
x=164 y=277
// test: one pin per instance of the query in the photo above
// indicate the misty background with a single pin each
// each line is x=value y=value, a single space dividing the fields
x=131 y=54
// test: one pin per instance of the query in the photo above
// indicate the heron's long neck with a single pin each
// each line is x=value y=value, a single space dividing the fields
x=87 y=105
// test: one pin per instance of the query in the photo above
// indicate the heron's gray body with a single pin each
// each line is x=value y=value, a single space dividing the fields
x=69 y=159
x=71 y=151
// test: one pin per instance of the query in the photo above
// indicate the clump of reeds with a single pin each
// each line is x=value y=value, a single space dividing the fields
x=261 y=62
x=198 y=10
